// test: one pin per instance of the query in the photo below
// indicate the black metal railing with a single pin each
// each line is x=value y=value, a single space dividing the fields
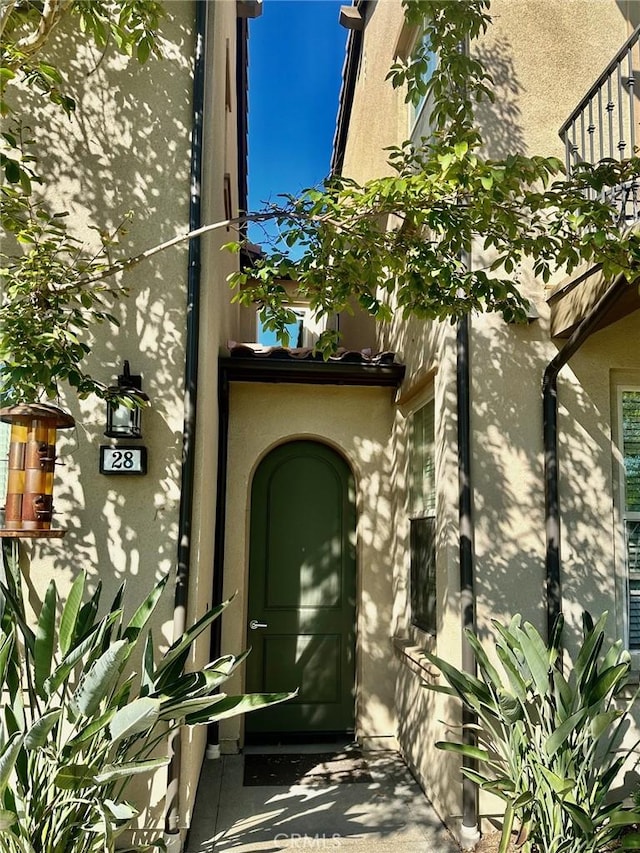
x=604 y=124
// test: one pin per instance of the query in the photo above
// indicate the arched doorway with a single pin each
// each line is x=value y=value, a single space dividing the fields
x=302 y=589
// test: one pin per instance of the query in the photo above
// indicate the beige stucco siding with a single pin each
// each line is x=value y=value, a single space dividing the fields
x=544 y=56
x=357 y=423
x=127 y=148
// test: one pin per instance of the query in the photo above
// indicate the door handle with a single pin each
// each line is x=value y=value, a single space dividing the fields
x=255 y=624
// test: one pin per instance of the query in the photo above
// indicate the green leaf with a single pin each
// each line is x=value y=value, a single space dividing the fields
x=110 y=772
x=144 y=611
x=88 y=732
x=36 y=736
x=45 y=638
x=184 y=643
x=580 y=817
x=143 y=51
x=121 y=811
x=536 y=656
x=74 y=777
x=8 y=757
x=230 y=706
x=7 y=819
x=97 y=682
x=140 y=715
x=606 y=681
x=6 y=647
x=87 y=646
x=631 y=842
x=70 y=612
x=461 y=149
x=564 y=730
x=464 y=749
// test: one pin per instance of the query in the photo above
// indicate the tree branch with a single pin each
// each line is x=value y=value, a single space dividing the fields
x=6 y=8
x=52 y=12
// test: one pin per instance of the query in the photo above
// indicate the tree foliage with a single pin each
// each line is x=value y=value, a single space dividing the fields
x=50 y=299
x=395 y=243
x=401 y=242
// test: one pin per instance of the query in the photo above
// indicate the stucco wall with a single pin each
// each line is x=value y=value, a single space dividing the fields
x=357 y=423
x=127 y=148
x=544 y=56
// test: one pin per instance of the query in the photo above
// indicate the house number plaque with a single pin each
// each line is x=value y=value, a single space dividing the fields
x=123 y=459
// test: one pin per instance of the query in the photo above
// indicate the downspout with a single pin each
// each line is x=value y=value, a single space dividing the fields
x=213 y=732
x=469 y=834
x=550 y=437
x=172 y=802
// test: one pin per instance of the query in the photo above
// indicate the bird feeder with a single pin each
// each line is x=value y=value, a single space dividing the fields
x=32 y=459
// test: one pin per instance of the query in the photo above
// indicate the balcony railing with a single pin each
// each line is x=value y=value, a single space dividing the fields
x=603 y=125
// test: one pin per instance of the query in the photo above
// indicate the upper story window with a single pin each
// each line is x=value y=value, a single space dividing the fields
x=298 y=331
x=422 y=520
x=420 y=114
x=630 y=441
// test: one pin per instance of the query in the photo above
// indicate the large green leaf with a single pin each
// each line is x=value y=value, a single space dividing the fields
x=45 y=638
x=232 y=705
x=580 y=817
x=631 y=841
x=564 y=730
x=184 y=643
x=490 y=672
x=177 y=709
x=87 y=732
x=111 y=772
x=8 y=757
x=6 y=647
x=191 y=685
x=7 y=819
x=70 y=612
x=606 y=681
x=464 y=749
x=601 y=722
x=74 y=777
x=144 y=611
x=17 y=614
x=148 y=666
x=558 y=784
x=89 y=645
x=87 y=615
x=590 y=649
x=36 y=736
x=140 y=715
x=98 y=681
x=537 y=657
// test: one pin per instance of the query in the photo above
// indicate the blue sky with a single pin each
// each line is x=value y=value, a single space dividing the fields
x=296 y=53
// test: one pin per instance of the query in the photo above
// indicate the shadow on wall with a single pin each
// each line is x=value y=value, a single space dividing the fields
x=500 y=120
x=631 y=11
x=125 y=149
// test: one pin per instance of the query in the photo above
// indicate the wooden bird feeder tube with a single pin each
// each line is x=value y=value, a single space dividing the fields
x=32 y=459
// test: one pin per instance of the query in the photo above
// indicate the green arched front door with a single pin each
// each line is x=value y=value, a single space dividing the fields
x=302 y=586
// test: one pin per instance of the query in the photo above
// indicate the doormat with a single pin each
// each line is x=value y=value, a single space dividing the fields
x=324 y=768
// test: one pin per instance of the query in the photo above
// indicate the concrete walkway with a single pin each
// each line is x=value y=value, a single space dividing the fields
x=388 y=814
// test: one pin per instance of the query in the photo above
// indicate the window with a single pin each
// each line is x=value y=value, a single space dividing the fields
x=630 y=422
x=296 y=330
x=422 y=535
x=420 y=113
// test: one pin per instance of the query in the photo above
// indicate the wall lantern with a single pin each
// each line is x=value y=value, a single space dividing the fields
x=32 y=459
x=124 y=418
